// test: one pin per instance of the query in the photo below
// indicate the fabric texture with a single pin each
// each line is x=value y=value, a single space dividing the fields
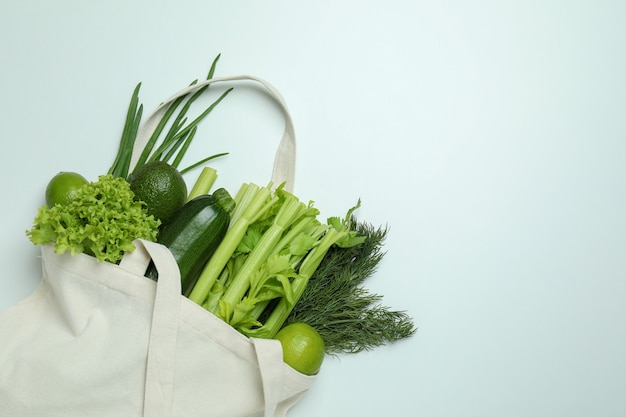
x=100 y=339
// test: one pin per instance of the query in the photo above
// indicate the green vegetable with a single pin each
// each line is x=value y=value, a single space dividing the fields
x=204 y=183
x=251 y=202
x=273 y=246
x=161 y=187
x=339 y=233
x=174 y=143
x=193 y=233
x=349 y=318
x=102 y=220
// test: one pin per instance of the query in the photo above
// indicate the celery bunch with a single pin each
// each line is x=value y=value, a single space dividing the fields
x=273 y=246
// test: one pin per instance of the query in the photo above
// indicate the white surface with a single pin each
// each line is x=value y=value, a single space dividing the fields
x=489 y=135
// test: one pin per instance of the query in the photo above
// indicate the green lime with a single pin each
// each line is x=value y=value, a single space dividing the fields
x=303 y=347
x=62 y=188
x=160 y=186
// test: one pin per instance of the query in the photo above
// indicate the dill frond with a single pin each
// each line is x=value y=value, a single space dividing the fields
x=348 y=316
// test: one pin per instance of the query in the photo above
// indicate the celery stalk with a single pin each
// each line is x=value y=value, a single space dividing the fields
x=298 y=241
x=338 y=233
x=254 y=204
x=281 y=311
x=204 y=183
x=290 y=211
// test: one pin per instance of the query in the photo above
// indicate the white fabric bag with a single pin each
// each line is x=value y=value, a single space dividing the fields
x=100 y=340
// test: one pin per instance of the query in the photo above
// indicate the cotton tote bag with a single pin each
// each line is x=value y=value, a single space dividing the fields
x=101 y=340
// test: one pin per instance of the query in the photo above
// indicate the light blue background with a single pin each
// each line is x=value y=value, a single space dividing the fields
x=489 y=135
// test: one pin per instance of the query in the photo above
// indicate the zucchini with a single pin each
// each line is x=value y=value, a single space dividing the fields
x=193 y=233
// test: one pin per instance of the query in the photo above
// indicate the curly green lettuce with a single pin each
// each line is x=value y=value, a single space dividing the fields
x=102 y=221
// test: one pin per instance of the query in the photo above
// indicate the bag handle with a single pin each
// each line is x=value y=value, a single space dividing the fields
x=161 y=359
x=285 y=157
x=160 y=368
x=270 y=357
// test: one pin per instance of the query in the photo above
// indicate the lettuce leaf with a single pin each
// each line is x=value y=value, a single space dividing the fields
x=102 y=221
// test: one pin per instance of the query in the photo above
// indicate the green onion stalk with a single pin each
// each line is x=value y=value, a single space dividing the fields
x=168 y=146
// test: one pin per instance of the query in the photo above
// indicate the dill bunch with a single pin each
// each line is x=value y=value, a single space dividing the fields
x=348 y=316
